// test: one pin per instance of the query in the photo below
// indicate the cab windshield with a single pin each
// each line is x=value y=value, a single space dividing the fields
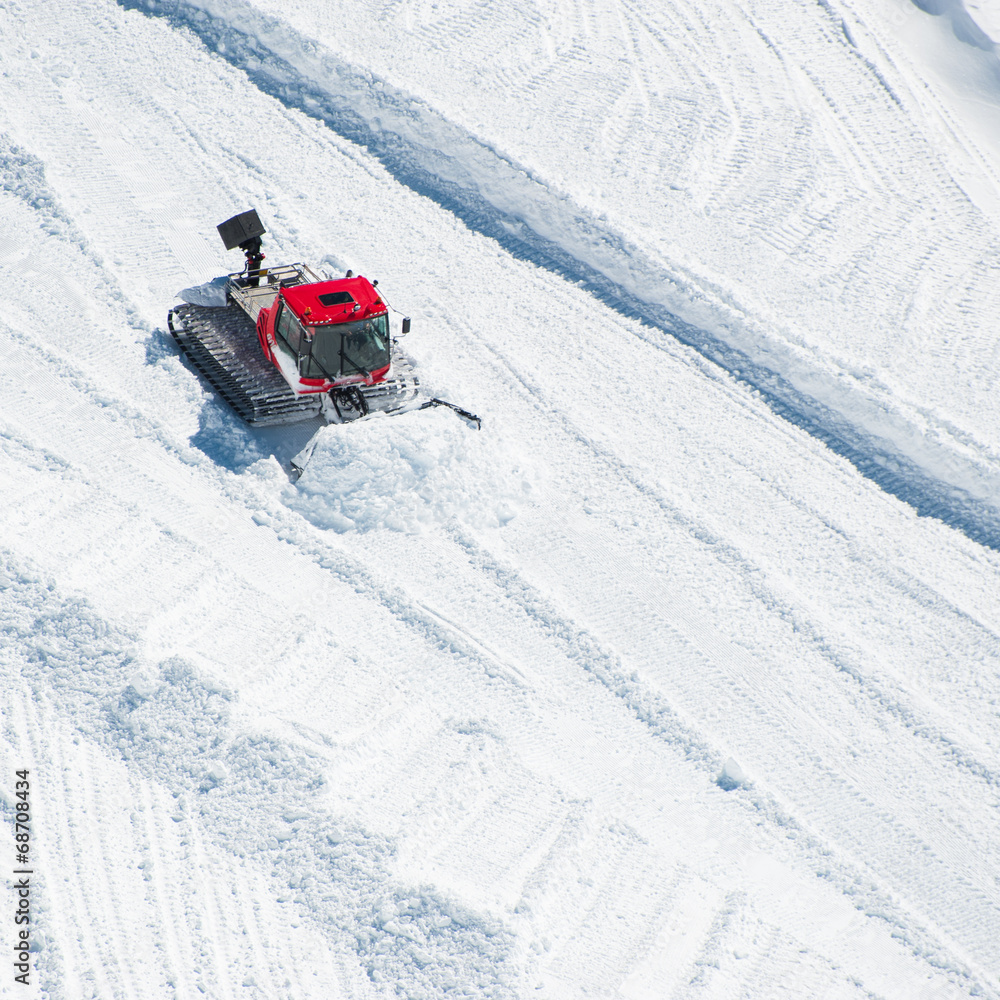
x=358 y=348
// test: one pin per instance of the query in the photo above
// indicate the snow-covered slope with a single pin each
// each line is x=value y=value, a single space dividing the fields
x=803 y=210
x=654 y=687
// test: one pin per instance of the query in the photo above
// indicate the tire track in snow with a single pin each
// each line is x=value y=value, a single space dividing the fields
x=867 y=890
x=172 y=730
x=23 y=176
x=380 y=594
x=871 y=689
x=863 y=686
x=496 y=197
x=845 y=661
x=581 y=646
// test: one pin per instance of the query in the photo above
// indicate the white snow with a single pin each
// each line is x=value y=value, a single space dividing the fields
x=412 y=472
x=680 y=678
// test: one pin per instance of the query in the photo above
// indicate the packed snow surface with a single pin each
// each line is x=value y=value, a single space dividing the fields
x=681 y=677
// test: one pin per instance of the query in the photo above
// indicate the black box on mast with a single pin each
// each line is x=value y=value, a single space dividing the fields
x=241 y=228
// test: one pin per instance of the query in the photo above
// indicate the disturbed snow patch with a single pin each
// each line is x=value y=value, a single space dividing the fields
x=731 y=776
x=256 y=797
x=407 y=472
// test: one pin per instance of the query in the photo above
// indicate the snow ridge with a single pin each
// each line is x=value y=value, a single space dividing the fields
x=963 y=24
x=252 y=795
x=23 y=176
x=937 y=469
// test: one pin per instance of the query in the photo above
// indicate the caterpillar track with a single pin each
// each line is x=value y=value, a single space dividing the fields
x=222 y=345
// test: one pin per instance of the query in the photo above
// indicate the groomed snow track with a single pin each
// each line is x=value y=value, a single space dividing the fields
x=447 y=716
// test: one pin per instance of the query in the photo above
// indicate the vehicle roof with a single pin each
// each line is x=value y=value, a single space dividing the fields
x=326 y=302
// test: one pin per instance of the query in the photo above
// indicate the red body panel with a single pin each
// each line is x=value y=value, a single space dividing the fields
x=305 y=302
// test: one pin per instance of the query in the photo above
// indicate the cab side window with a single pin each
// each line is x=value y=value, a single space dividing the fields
x=288 y=329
